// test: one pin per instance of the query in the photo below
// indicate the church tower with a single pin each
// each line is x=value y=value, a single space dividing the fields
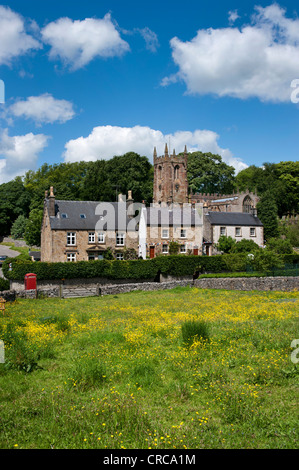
x=170 y=178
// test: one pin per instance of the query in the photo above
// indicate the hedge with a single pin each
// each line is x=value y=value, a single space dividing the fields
x=175 y=265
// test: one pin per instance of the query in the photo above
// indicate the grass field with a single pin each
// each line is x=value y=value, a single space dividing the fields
x=116 y=371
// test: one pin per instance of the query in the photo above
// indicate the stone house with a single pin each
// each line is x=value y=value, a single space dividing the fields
x=159 y=226
x=237 y=225
x=85 y=230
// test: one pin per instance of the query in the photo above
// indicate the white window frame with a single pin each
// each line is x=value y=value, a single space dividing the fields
x=183 y=233
x=239 y=230
x=222 y=229
x=167 y=233
x=120 y=238
x=71 y=257
x=183 y=249
x=165 y=248
x=119 y=256
x=101 y=237
x=91 y=237
x=252 y=232
x=71 y=238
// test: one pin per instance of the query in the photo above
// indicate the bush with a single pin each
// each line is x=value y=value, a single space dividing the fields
x=225 y=244
x=245 y=246
x=194 y=330
x=4 y=284
x=280 y=246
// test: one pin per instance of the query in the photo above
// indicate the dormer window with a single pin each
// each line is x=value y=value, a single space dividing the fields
x=64 y=216
x=82 y=216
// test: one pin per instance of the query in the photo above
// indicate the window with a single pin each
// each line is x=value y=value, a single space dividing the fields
x=222 y=231
x=119 y=256
x=101 y=237
x=64 y=216
x=183 y=233
x=183 y=249
x=71 y=238
x=252 y=231
x=238 y=232
x=176 y=172
x=164 y=248
x=71 y=257
x=120 y=239
x=91 y=237
x=91 y=257
x=82 y=216
x=165 y=233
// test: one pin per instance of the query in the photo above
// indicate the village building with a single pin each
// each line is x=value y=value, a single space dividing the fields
x=89 y=230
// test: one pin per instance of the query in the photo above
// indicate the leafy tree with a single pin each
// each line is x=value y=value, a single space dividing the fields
x=267 y=213
x=207 y=173
x=33 y=227
x=173 y=247
x=14 y=201
x=267 y=260
x=245 y=246
x=279 y=245
x=18 y=227
x=225 y=244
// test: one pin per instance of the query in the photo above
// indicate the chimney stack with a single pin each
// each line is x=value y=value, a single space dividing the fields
x=51 y=203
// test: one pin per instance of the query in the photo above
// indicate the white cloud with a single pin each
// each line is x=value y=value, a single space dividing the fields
x=43 y=109
x=14 y=40
x=19 y=153
x=150 y=37
x=233 y=16
x=76 y=43
x=104 y=142
x=259 y=60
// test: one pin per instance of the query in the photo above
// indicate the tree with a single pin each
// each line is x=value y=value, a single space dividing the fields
x=280 y=246
x=33 y=227
x=225 y=244
x=207 y=173
x=14 y=201
x=267 y=213
x=245 y=246
x=18 y=227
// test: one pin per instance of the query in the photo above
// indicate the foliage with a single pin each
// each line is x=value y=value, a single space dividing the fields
x=266 y=260
x=290 y=230
x=280 y=245
x=225 y=244
x=18 y=227
x=14 y=201
x=4 y=284
x=173 y=247
x=194 y=330
x=267 y=213
x=245 y=246
x=32 y=232
x=207 y=173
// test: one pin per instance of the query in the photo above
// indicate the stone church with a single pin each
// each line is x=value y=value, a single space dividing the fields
x=86 y=230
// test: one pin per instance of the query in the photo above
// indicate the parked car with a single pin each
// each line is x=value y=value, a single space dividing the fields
x=2 y=258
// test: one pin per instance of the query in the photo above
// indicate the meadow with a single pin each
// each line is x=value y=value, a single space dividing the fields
x=119 y=372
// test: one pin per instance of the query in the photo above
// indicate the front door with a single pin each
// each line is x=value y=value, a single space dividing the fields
x=152 y=251
x=195 y=251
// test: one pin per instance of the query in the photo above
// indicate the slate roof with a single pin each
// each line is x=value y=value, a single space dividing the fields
x=233 y=218
x=162 y=216
x=73 y=221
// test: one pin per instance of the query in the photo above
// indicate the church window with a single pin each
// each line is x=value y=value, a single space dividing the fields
x=176 y=171
x=247 y=204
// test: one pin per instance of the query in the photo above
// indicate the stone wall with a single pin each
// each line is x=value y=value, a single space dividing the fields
x=285 y=284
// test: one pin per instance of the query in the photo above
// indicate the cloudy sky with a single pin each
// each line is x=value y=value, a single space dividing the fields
x=90 y=80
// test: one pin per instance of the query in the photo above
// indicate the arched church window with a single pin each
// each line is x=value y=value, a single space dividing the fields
x=160 y=171
x=247 y=204
x=176 y=171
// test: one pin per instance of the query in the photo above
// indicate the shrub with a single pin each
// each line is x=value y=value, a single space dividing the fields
x=4 y=284
x=225 y=244
x=193 y=330
x=245 y=246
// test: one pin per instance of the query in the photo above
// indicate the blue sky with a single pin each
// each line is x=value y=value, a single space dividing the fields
x=94 y=79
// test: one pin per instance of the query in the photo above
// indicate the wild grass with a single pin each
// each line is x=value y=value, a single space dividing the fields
x=115 y=372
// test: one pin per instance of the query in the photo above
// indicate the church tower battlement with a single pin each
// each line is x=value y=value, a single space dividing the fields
x=170 y=178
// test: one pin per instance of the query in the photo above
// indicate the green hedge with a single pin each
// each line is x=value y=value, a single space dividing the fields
x=175 y=265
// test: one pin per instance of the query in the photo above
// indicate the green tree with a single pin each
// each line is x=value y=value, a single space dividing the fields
x=33 y=227
x=245 y=246
x=207 y=173
x=267 y=213
x=225 y=244
x=14 y=201
x=279 y=245
x=18 y=227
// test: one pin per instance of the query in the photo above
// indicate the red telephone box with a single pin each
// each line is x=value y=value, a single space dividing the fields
x=30 y=281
